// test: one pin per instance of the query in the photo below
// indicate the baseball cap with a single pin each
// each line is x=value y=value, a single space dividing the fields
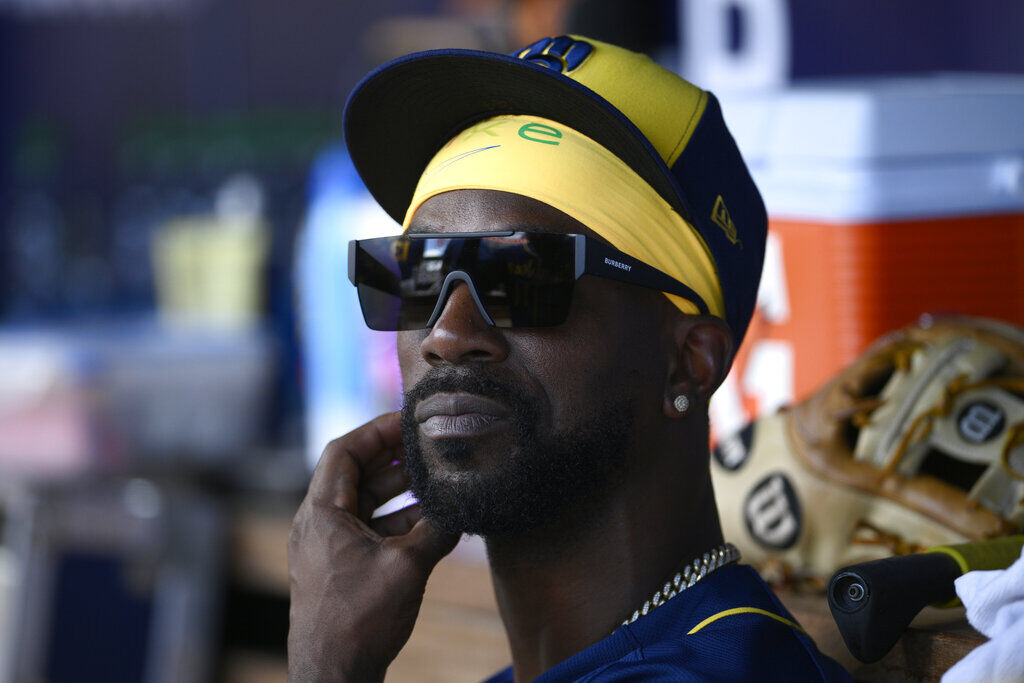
x=666 y=129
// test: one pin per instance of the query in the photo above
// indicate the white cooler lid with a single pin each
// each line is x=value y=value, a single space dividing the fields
x=881 y=148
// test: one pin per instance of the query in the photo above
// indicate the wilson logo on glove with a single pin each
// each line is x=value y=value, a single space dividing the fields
x=772 y=513
x=980 y=422
x=733 y=450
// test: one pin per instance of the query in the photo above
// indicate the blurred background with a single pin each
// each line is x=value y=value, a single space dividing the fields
x=178 y=339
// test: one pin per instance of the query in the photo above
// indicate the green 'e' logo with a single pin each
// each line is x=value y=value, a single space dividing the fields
x=537 y=132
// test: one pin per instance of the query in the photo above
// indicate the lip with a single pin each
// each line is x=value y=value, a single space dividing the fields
x=447 y=415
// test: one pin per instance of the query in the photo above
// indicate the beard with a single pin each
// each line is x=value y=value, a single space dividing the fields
x=538 y=479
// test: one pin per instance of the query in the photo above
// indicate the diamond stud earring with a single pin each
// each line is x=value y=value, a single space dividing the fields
x=681 y=403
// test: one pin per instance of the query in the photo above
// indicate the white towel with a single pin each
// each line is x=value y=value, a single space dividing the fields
x=995 y=606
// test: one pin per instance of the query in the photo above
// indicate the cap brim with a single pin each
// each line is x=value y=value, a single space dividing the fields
x=404 y=111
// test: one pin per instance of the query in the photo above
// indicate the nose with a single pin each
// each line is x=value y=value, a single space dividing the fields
x=460 y=334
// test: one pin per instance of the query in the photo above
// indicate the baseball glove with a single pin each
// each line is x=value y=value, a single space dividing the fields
x=917 y=443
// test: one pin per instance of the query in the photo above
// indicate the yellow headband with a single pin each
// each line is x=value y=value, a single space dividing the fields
x=563 y=168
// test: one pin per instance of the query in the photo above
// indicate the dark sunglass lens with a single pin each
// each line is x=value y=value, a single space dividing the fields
x=380 y=309
x=397 y=286
x=378 y=283
x=526 y=280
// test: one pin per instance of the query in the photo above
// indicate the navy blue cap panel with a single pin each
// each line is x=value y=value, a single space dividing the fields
x=727 y=209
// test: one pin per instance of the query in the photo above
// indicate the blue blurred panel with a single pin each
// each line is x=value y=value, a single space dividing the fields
x=100 y=629
x=905 y=36
x=350 y=371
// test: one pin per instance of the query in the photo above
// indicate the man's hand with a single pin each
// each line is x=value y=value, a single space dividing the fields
x=356 y=583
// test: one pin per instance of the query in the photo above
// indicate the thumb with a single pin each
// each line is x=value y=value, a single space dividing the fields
x=429 y=542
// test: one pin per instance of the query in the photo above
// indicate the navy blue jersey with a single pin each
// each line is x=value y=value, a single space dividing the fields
x=727 y=627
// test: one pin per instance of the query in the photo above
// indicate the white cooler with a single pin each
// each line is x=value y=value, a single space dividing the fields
x=887 y=199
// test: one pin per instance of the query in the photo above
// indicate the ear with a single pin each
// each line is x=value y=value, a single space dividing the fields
x=702 y=354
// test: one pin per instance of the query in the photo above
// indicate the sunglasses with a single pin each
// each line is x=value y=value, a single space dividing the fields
x=518 y=279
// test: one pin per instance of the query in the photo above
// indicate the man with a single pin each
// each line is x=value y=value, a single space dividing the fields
x=582 y=251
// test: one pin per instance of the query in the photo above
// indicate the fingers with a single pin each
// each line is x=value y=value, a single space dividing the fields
x=427 y=542
x=381 y=487
x=397 y=523
x=368 y=448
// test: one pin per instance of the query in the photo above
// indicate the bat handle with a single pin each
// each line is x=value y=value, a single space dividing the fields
x=874 y=602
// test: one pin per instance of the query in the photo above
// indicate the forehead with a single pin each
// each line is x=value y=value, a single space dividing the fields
x=491 y=211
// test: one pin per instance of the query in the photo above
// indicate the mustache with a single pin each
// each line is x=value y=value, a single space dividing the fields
x=465 y=380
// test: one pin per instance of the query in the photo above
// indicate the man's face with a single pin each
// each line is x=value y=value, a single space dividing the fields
x=506 y=428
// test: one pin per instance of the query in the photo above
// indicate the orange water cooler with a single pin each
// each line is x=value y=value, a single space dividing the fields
x=887 y=200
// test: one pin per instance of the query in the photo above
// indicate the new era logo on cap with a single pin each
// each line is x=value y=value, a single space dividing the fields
x=720 y=215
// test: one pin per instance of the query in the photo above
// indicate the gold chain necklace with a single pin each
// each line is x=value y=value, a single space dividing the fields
x=690 y=574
